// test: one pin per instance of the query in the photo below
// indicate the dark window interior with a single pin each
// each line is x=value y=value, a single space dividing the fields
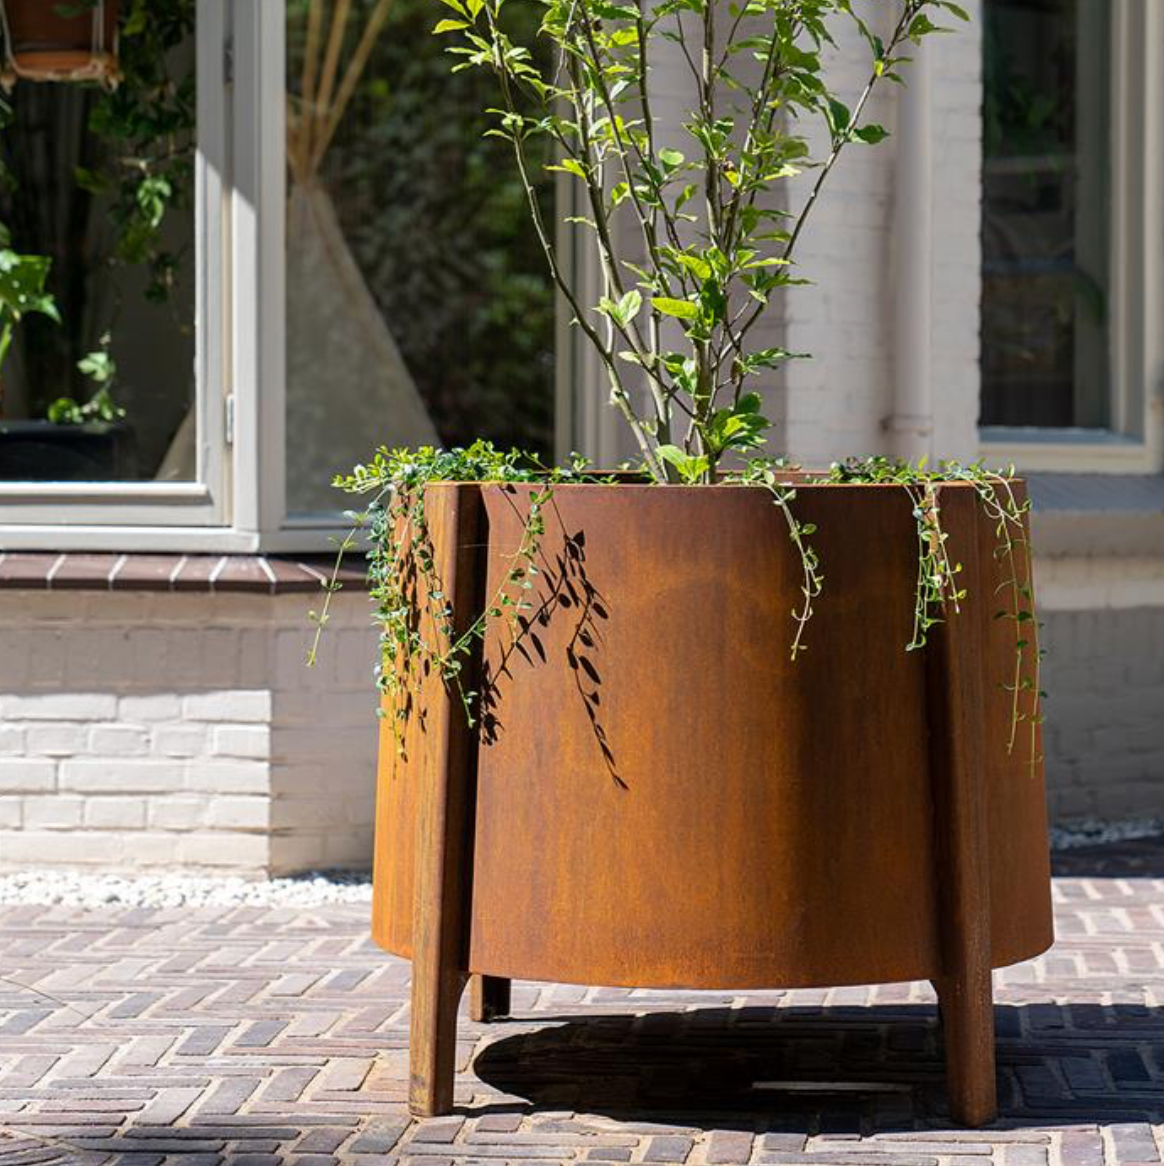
x=1045 y=213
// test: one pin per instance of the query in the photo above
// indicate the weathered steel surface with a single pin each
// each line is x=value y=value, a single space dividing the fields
x=665 y=799
x=955 y=696
x=444 y=778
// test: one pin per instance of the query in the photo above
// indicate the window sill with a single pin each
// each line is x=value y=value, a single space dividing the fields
x=1093 y=515
x=208 y=574
x=1087 y=451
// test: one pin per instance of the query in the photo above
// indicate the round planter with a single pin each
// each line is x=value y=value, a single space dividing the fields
x=45 y=44
x=660 y=797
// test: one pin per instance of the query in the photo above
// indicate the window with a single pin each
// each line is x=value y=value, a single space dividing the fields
x=346 y=260
x=97 y=385
x=1071 y=205
x=104 y=395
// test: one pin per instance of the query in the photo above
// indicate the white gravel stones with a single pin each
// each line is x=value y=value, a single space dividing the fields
x=86 y=889
x=1095 y=832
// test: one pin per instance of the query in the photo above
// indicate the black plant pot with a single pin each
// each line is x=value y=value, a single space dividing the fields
x=39 y=451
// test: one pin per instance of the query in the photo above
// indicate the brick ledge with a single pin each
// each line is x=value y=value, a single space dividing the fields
x=253 y=574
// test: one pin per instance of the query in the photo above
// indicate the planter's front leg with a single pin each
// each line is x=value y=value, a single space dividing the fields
x=444 y=826
x=956 y=703
x=489 y=998
x=438 y=928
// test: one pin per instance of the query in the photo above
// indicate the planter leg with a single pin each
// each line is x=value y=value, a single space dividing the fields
x=968 y=1032
x=956 y=701
x=433 y=1041
x=489 y=998
x=444 y=832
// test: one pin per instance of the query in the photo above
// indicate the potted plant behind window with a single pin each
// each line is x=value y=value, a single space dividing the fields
x=49 y=41
x=606 y=755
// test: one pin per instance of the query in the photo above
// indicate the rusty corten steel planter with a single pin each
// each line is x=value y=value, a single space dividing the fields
x=661 y=798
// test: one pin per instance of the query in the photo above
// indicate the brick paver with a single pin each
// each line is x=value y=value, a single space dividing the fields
x=246 y=1037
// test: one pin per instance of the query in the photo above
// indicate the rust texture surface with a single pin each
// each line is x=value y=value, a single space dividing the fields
x=663 y=798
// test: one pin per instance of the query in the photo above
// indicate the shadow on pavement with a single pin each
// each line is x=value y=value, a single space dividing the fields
x=833 y=1070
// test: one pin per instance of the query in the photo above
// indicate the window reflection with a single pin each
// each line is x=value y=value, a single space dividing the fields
x=1045 y=213
x=418 y=307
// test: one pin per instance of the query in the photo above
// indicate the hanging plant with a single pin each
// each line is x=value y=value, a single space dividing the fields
x=45 y=41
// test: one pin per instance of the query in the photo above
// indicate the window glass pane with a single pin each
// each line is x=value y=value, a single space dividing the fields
x=1045 y=213
x=418 y=307
x=98 y=207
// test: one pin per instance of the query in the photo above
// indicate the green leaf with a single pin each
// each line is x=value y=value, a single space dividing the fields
x=629 y=305
x=64 y=411
x=920 y=26
x=871 y=135
x=449 y=26
x=700 y=268
x=691 y=467
x=681 y=309
x=98 y=366
x=838 y=116
x=625 y=310
x=570 y=166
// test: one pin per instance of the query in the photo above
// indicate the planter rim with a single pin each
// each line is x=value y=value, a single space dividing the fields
x=720 y=487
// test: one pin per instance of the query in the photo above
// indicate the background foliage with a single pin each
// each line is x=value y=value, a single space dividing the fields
x=437 y=220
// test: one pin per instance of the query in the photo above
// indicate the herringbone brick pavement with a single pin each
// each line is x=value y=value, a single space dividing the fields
x=247 y=1037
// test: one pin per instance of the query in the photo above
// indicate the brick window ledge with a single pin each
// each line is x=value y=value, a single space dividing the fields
x=255 y=574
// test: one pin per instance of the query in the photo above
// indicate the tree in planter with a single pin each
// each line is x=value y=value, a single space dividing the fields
x=543 y=627
x=715 y=248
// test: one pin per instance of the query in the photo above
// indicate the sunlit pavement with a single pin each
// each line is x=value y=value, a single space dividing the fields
x=248 y=1036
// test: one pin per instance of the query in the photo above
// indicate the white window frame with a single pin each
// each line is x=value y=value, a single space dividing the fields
x=162 y=515
x=1134 y=441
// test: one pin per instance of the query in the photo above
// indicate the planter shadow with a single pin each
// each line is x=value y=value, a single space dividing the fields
x=837 y=1070
x=1138 y=858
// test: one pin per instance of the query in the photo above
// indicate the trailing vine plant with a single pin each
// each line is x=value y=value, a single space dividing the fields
x=773 y=475
x=418 y=628
x=937 y=592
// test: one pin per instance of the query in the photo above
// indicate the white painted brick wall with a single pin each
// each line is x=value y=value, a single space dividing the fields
x=836 y=404
x=184 y=730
